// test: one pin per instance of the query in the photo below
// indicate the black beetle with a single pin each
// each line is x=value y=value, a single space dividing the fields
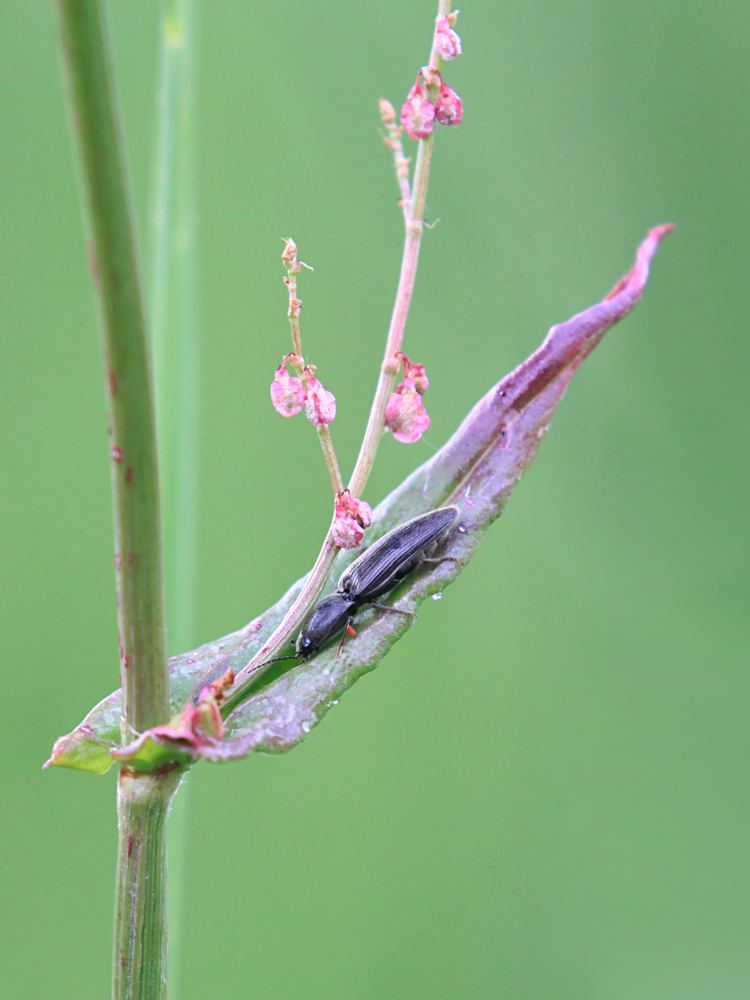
x=372 y=575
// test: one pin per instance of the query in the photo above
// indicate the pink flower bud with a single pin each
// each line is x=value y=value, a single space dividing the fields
x=448 y=109
x=297 y=361
x=415 y=375
x=417 y=113
x=320 y=404
x=289 y=256
x=350 y=518
x=387 y=112
x=405 y=415
x=287 y=392
x=360 y=510
x=447 y=42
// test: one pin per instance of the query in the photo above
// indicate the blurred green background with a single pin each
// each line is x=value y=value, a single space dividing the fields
x=541 y=794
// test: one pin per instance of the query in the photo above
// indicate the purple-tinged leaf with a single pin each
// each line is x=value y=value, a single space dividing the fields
x=476 y=469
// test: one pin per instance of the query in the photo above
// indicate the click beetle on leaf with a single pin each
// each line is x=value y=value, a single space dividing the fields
x=377 y=571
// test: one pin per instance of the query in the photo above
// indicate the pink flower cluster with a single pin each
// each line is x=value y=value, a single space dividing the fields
x=289 y=394
x=350 y=518
x=405 y=415
x=419 y=113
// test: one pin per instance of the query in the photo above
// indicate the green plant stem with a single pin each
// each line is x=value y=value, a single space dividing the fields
x=321 y=570
x=114 y=263
x=139 y=968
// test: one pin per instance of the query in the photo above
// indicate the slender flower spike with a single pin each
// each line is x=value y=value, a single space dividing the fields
x=287 y=392
x=448 y=109
x=351 y=517
x=417 y=113
x=320 y=404
x=447 y=42
x=405 y=415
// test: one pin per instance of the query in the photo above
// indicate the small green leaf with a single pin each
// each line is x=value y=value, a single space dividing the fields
x=81 y=751
x=149 y=753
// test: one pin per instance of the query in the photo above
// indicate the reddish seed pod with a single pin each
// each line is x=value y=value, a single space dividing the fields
x=405 y=415
x=417 y=113
x=287 y=392
x=448 y=109
x=320 y=405
x=351 y=517
x=347 y=534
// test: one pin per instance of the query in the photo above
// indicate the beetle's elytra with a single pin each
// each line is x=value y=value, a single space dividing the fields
x=372 y=575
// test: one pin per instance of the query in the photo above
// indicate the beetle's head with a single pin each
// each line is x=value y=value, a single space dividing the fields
x=306 y=645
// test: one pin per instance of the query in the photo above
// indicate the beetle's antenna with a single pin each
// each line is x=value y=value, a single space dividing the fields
x=277 y=659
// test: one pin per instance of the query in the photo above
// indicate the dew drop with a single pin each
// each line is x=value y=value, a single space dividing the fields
x=462 y=529
x=436 y=597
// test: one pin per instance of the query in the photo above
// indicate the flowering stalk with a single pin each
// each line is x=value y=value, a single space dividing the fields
x=313 y=586
x=412 y=245
x=319 y=403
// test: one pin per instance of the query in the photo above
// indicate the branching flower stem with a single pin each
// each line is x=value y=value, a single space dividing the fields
x=320 y=572
x=298 y=363
x=143 y=799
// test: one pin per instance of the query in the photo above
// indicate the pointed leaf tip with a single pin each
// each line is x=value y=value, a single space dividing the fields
x=81 y=750
x=635 y=280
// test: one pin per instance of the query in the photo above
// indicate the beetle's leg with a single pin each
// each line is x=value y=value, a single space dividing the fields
x=385 y=607
x=441 y=559
x=348 y=630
